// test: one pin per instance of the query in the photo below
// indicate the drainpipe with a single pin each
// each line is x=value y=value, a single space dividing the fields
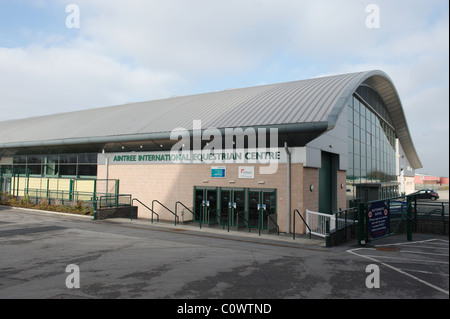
x=106 y=171
x=288 y=196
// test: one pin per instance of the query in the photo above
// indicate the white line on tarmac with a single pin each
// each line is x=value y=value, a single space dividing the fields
x=429 y=247
x=425 y=261
x=416 y=242
x=425 y=272
x=352 y=251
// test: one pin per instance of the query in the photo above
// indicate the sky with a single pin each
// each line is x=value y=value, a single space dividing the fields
x=66 y=55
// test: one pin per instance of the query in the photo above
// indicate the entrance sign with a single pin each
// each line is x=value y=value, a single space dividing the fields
x=246 y=172
x=218 y=157
x=378 y=219
x=218 y=172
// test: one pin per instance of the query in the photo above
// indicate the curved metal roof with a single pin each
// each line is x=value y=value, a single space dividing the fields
x=298 y=104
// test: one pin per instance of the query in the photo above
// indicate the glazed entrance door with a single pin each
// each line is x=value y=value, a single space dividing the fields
x=211 y=214
x=238 y=211
x=269 y=200
x=261 y=205
x=254 y=209
x=205 y=205
x=199 y=205
x=226 y=205
x=236 y=207
x=232 y=204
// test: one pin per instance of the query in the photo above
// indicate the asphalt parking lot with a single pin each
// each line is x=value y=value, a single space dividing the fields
x=118 y=259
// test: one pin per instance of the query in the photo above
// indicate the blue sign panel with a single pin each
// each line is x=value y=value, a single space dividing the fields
x=218 y=172
x=378 y=219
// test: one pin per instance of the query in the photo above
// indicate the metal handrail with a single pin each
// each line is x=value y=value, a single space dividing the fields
x=193 y=215
x=245 y=220
x=304 y=221
x=153 y=212
x=176 y=217
x=115 y=202
x=278 y=227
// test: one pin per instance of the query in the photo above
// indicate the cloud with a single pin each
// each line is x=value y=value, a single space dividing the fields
x=37 y=81
x=137 y=50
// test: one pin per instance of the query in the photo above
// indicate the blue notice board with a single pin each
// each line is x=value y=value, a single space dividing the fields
x=378 y=219
x=218 y=172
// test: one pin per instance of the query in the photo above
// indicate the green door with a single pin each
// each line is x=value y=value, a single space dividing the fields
x=269 y=200
x=238 y=211
x=261 y=205
x=211 y=208
x=325 y=184
x=199 y=205
x=328 y=183
x=254 y=208
x=205 y=205
x=225 y=206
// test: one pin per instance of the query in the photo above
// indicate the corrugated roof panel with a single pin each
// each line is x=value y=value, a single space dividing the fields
x=305 y=101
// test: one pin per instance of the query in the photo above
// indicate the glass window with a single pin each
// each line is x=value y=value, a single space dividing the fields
x=357 y=161
x=371 y=142
x=34 y=159
x=368 y=139
x=22 y=159
x=363 y=162
x=66 y=159
x=356 y=133
x=356 y=117
x=357 y=148
x=68 y=170
x=35 y=169
x=87 y=158
x=51 y=165
x=350 y=146
x=87 y=170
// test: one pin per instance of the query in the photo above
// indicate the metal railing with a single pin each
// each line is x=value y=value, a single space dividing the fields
x=304 y=221
x=151 y=210
x=184 y=206
x=238 y=216
x=168 y=209
x=320 y=223
x=437 y=213
x=344 y=219
x=113 y=200
x=269 y=221
x=62 y=195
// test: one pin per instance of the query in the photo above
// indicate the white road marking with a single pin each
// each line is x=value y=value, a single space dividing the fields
x=371 y=257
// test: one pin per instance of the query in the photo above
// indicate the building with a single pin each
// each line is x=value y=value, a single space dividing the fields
x=430 y=181
x=229 y=156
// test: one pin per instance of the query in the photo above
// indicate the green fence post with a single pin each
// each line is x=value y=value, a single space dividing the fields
x=327 y=233
x=94 y=204
x=361 y=227
x=443 y=219
x=409 y=218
